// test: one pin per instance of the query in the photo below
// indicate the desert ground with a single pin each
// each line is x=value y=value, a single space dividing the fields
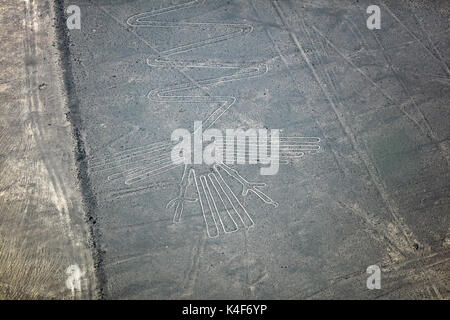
x=92 y=206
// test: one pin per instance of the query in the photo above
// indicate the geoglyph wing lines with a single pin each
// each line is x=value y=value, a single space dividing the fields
x=220 y=206
x=145 y=163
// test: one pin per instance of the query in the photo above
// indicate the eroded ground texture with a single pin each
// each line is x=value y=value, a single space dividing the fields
x=43 y=233
x=365 y=147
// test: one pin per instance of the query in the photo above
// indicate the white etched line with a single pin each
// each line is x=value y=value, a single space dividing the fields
x=179 y=201
x=115 y=157
x=235 y=198
x=230 y=215
x=236 y=228
x=203 y=182
x=135 y=170
x=228 y=198
x=131 y=150
x=131 y=162
x=147 y=174
x=246 y=185
x=203 y=208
